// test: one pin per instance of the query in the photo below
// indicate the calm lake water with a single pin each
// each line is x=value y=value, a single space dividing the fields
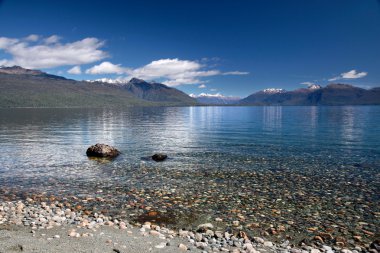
x=291 y=168
x=40 y=143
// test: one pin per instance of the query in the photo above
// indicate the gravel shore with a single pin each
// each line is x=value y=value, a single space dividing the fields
x=28 y=226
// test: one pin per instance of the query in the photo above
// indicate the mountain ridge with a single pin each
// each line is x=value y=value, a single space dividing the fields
x=332 y=94
x=22 y=87
x=17 y=70
x=33 y=88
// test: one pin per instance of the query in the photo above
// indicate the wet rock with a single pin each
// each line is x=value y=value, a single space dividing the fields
x=159 y=157
x=102 y=150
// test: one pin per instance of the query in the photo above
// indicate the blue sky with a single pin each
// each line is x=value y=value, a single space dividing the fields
x=231 y=47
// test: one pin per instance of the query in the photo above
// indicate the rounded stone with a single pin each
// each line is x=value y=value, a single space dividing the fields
x=159 y=157
x=102 y=150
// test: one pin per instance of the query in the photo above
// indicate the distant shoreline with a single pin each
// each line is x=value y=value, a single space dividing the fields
x=181 y=106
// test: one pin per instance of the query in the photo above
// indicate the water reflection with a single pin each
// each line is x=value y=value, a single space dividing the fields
x=272 y=118
x=313 y=118
x=350 y=131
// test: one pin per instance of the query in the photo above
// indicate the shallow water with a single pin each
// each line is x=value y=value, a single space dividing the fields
x=311 y=163
x=45 y=141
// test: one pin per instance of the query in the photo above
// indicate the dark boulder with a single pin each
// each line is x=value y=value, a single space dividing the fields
x=102 y=150
x=159 y=157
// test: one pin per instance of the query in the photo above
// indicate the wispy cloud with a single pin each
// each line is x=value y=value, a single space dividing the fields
x=236 y=73
x=52 y=39
x=36 y=52
x=76 y=70
x=172 y=72
x=206 y=95
x=202 y=86
x=107 y=68
x=32 y=37
x=353 y=74
x=308 y=83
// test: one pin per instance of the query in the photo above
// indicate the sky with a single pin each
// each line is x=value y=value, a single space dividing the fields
x=231 y=47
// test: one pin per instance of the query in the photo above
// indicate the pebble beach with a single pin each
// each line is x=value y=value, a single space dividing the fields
x=280 y=210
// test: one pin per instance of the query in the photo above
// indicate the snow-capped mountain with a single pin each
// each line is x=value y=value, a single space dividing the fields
x=108 y=80
x=314 y=86
x=332 y=94
x=215 y=99
x=273 y=90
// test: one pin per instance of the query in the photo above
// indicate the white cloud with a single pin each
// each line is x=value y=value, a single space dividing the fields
x=3 y=63
x=175 y=71
x=106 y=68
x=202 y=86
x=210 y=95
x=308 y=83
x=206 y=95
x=52 y=39
x=32 y=37
x=76 y=70
x=235 y=73
x=172 y=72
x=353 y=74
x=42 y=55
x=180 y=81
x=36 y=52
x=7 y=42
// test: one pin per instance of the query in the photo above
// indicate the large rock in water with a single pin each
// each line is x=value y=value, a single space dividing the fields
x=159 y=157
x=102 y=150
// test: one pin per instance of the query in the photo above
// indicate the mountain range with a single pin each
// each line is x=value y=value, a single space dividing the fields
x=20 y=87
x=33 y=88
x=332 y=94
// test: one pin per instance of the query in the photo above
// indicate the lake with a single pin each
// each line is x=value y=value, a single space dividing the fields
x=306 y=162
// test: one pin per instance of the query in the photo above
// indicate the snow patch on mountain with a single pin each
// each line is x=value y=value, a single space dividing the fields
x=216 y=98
x=314 y=87
x=109 y=80
x=273 y=90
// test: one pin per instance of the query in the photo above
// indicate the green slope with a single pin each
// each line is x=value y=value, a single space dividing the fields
x=18 y=90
